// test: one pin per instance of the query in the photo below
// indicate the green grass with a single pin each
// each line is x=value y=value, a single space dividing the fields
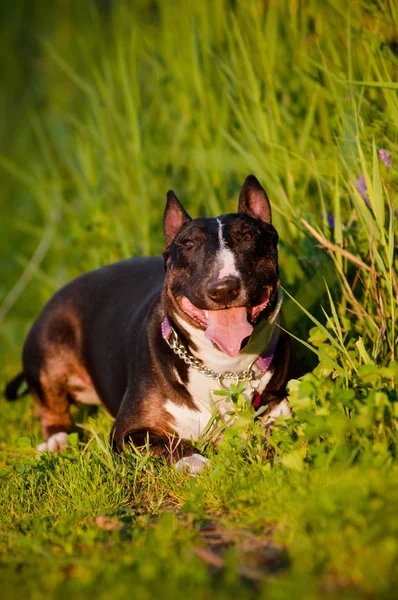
x=243 y=527
x=104 y=112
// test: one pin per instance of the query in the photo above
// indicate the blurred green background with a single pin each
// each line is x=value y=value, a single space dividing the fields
x=106 y=105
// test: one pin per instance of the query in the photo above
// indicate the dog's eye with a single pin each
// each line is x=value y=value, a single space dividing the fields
x=187 y=243
x=247 y=235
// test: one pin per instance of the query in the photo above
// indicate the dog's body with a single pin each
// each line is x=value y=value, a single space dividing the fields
x=110 y=336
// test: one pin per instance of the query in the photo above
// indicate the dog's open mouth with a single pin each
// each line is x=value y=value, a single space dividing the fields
x=227 y=327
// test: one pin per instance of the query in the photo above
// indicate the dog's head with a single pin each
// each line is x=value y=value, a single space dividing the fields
x=222 y=273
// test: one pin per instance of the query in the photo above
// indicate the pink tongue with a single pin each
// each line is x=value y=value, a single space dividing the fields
x=228 y=328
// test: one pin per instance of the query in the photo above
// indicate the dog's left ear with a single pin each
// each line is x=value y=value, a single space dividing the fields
x=175 y=217
x=253 y=200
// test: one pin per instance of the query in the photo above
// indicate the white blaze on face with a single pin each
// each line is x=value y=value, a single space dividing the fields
x=225 y=257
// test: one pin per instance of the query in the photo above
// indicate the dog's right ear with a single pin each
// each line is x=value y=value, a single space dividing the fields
x=175 y=217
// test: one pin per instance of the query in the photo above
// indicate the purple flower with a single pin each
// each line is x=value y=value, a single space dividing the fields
x=385 y=158
x=360 y=184
x=329 y=217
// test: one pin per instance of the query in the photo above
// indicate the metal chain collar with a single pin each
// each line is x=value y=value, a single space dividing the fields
x=248 y=374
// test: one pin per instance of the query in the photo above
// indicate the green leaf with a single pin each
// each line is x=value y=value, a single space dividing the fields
x=317 y=336
x=387 y=372
x=294 y=460
x=242 y=421
x=24 y=442
x=366 y=370
x=73 y=440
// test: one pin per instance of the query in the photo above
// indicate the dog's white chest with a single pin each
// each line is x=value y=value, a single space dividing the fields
x=190 y=424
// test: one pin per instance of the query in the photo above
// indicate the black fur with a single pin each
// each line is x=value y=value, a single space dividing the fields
x=12 y=388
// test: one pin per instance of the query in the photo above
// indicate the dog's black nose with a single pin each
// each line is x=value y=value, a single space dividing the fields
x=223 y=290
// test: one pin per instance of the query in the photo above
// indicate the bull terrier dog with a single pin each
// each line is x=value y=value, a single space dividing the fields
x=152 y=338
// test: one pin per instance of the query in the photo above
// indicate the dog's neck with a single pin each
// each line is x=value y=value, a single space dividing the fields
x=204 y=350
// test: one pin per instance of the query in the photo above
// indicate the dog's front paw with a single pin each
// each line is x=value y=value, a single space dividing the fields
x=192 y=464
x=55 y=443
x=279 y=410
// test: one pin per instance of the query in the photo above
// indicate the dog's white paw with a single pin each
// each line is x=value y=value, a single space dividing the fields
x=55 y=443
x=192 y=464
x=281 y=409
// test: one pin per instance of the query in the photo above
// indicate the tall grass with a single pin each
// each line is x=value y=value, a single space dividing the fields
x=130 y=102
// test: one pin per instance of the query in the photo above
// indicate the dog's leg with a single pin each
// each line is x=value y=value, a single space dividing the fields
x=55 y=371
x=275 y=410
x=175 y=451
x=53 y=404
x=179 y=453
x=149 y=425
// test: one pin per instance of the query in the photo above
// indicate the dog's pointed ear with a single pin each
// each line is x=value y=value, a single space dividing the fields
x=175 y=217
x=253 y=200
